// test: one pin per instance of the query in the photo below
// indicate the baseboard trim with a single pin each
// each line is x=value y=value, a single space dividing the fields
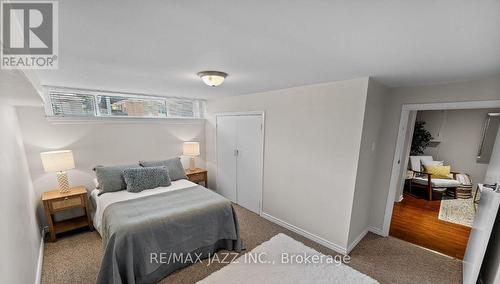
x=38 y=279
x=356 y=241
x=305 y=233
x=376 y=231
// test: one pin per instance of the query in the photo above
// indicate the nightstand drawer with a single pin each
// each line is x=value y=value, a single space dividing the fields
x=197 y=177
x=66 y=202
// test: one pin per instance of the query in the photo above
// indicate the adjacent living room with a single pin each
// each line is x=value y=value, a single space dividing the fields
x=448 y=158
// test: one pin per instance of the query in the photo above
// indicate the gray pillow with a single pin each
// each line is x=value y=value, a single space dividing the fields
x=174 y=165
x=111 y=178
x=139 y=179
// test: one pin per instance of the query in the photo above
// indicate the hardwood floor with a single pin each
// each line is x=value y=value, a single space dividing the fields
x=416 y=221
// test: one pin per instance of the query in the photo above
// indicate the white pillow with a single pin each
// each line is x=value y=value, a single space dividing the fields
x=416 y=162
x=431 y=163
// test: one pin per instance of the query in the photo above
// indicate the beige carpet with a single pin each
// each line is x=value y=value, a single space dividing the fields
x=458 y=211
x=285 y=260
x=76 y=258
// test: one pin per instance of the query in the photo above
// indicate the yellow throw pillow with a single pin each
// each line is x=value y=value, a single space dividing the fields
x=439 y=171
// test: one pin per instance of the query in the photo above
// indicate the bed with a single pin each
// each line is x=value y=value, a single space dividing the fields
x=150 y=234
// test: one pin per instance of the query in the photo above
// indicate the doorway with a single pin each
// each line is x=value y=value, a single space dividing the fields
x=416 y=215
x=398 y=165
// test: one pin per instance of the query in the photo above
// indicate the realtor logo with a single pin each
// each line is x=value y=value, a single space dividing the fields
x=29 y=35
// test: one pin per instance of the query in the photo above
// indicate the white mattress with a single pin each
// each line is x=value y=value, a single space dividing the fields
x=106 y=199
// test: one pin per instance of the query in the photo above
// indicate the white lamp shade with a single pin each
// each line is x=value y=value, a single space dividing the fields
x=191 y=149
x=57 y=161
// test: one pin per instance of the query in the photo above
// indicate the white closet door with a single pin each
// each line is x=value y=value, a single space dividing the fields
x=249 y=162
x=226 y=156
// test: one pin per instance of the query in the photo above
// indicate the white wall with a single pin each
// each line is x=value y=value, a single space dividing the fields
x=459 y=133
x=484 y=89
x=406 y=153
x=490 y=270
x=376 y=99
x=312 y=142
x=102 y=143
x=20 y=238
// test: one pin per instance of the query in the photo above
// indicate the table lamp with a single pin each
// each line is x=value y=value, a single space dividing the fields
x=59 y=161
x=191 y=149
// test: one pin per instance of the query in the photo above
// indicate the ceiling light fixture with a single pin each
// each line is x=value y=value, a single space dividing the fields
x=212 y=78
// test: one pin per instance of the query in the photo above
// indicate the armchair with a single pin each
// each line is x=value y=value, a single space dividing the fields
x=425 y=180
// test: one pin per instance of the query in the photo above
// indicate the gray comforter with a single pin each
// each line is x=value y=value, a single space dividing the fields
x=147 y=238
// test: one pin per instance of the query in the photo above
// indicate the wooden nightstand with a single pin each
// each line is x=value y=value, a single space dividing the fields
x=197 y=175
x=54 y=201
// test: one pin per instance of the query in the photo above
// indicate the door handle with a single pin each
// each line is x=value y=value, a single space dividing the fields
x=236 y=152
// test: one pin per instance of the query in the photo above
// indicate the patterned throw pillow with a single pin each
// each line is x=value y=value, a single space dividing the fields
x=139 y=179
x=464 y=180
x=439 y=171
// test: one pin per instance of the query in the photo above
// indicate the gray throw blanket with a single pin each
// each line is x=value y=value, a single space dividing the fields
x=146 y=239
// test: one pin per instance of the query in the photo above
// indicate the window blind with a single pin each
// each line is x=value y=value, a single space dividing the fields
x=97 y=104
x=126 y=106
x=183 y=108
x=72 y=104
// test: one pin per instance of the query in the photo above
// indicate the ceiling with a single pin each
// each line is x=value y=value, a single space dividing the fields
x=157 y=47
x=16 y=89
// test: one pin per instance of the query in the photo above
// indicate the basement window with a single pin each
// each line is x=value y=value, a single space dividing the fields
x=96 y=104
x=134 y=107
x=72 y=105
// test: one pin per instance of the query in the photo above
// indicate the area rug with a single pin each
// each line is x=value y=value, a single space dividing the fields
x=283 y=260
x=458 y=211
